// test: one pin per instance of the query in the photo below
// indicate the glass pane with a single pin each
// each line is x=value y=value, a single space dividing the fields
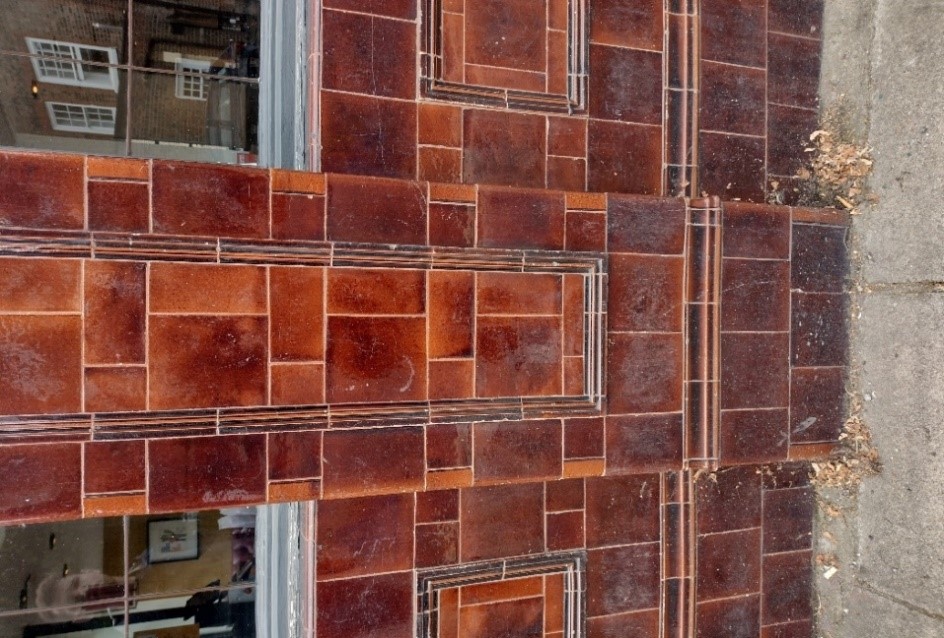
x=97 y=24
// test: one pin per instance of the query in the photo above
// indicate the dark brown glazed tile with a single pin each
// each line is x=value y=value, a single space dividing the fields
x=376 y=291
x=793 y=71
x=204 y=472
x=373 y=461
x=755 y=295
x=788 y=519
x=451 y=225
x=440 y=124
x=622 y=579
x=360 y=536
x=564 y=495
x=627 y=23
x=644 y=373
x=788 y=134
x=298 y=216
x=518 y=356
x=585 y=231
x=44 y=482
x=820 y=337
x=612 y=69
x=501 y=33
x=118 y=206
x=294 y=455
x=731 y=618
x=440 y=164
x=753 y=436
x=734 y=32
x=368 y=54
x=565 y=531
x=366 y=607
x=207 y=288
x=453 y=47
x=437 y=507
x=798 y=17
x=118 y=168
x=583 y=438
x=622 y=510
x=114 y=389
x=645 y=225
x=819 y=258
x=733 y=166
x=818 y=404
x=513 y=451
x=754 y=370
x=643 y=443
x=205 y=199
x=522 y=617
x=785 y=476
x=40 y=285
x=730 y=501
x=644 y=624
x=114 y=466
x=449 y=445
x=624 y=158
x=40 y=364
x=199 y=362
x=728 y=564
x=484 y=518
x=367 y=136
x=503 y=148
x=114 y=312
x=509 y=293
x=788 y=581
x=437 y=544
x=384 y=211
x=566 y=173
x=800 y=629
x=756 y=230
x=516 y=218
x=451 y=379
x=404 y=9
x=296 y=310
x=41 y=190
x=376 y=359
x=645 y=293
x=574 y=315
x=732 y=100
x=567 y=136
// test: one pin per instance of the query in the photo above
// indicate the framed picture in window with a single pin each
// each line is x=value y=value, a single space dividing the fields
x=173 y=539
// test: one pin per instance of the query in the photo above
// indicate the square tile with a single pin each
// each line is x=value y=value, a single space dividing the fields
x=518 y=356
x=40 y=364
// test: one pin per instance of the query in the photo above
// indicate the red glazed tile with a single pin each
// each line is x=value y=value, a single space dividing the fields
x=754 y=370
x=40 y=364
x=517 y=450
x=298 y=216
x=453 y=44
x=583 y=438
x=788 y=581
x=645 y=225
x=360 y=462
x=501 y=33
x=484 y=521
x=114 y=389
x=203 y=472
x=199 y=362
x=451 y=225
x=793 y=71
x=566 y=173
x=118 y=206
x=612 y=69
x=518 y=356
x=367 y=135
x=41 y=190
x=403 y=9
x=755 y=295
x=373 y=359
x=207 y=288
x=44 y=482
x=788 y=135
x=437 y=507
x=366 y=607
x=204 y=199
x=115 y=312
x=732 y=100
x=437 y=544
x=645 y=293
x=118 y=168
x=507 y=293
x=440 y=125
x=564 y=495
x=622 y=510
x=729 y=501
x=294 y=455
x=788 y=519
x=574 y=376
x=733 y=166
x=567 y=136
x=818 y=404
x=376 y=291
x=439 y=164
x=728 y=564
x=627 y=23
x=734 y=32
x=574 y=290
x=491 y=592
x=621 y=579
x=368 y=54
x=820 y=337
x=296 y=298
x=449 y=445
x=451 y=379
x=624 y=158
x=39 y=285
x=515 y=218
x=732 y=618
x=797 y=17
x=753 y=436
x=565 y=531
x=644 y=373
x=819 y=258
x=382 y=211
x=756 y=230
x=643 y=443
x=522 y=617
x=114 y=466
x=360 y=536
x=503 y=148
x=585 y=231
x=644 y=624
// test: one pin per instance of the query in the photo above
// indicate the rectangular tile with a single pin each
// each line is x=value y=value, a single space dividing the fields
x=537 y=220
x=294 y=455
x=720 y=574
x=485 y=532
x=119 y=206
x=622 y=510
x=115 y=389
x=45 y=482
x=622 y=579
x=505 y=293
x=42 y=190
x=118 y=168
x=755 y=295
x=366 y=607
x=754 y=369
x=643 y=443
x=40 y=364
x=40 y=285
x=360 y=536
x=503 y=148
x=756 y=230
x=820 y=336
x=645 y=293
x=376 y=291
x=376 y=461
x=574 y=315
x=207 y=289
x=514 y=451
x=363 y=209
x=296 y=310
x=645 y=225
x=115 y=310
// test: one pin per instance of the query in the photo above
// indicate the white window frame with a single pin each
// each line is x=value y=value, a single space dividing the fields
x=85 y=109
x=186 y=69
x=68 y=56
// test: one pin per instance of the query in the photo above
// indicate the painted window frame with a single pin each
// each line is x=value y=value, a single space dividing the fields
x=190 y=69
x=85 y=108
x=75 y=61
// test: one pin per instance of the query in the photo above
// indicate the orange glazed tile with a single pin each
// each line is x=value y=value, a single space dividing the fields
x=114 y=505
x=451 y=379
x=297 y=383
x=451 y=301
x=508 y=293
x=40 y=364
x=463 y=193
x=449 y=479
x=118 y=168
x=573 y=375
x=811 y=451
x=440 y=125
x=297 y=313
x=573 y=315
x=39 y=285
x=114 y=389
x=297 y=182
x=114 y=311
x=207 y=288
x=42 y=190
x=584 y=467
x=295 y=491
x=585 y=201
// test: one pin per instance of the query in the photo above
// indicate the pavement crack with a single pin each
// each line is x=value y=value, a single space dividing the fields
x=918 y=609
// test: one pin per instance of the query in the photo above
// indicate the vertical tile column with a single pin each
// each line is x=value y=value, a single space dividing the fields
x=681 y=93
x=677 y=554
